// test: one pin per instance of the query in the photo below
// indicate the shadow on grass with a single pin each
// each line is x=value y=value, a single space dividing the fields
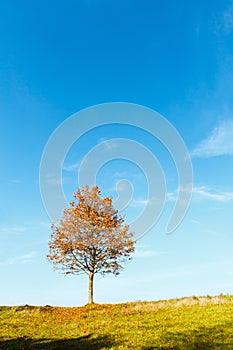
x=80 y=343
x=203 y=338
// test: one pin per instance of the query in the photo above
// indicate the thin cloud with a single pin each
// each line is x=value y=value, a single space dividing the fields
x=15 y=181
x=108 y=144
x=45 y=224
x=219 y=142
x=72 y=167
x=203 y=192
x=227 y=19
x=171 y=196
x=138 y=203
x=55 y=180
x=223 y=23
x=142 y=252
x=19 y=259
x=121 y=174
x=194 y=221
x=13 y=229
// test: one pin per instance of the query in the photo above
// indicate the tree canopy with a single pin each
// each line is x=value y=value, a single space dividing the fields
x=90 y=238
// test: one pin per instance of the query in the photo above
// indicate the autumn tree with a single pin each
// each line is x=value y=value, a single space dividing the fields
x=90 y=238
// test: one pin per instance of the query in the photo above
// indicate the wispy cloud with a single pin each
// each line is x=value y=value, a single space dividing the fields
x=203 y=192
x=218 y=142
x=223 y=23
x=13 y=229
x=171 y=196
x=194 y=221
x=121 y=174
x=142 y=252
x=45 y=224
x=140 y=202
x=72 y=167
x=15 y=181
x=108 y=144
x=227 y=19
x=56 y=180
x=19 y=259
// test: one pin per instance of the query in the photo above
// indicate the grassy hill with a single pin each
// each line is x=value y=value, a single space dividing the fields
x=187 y=323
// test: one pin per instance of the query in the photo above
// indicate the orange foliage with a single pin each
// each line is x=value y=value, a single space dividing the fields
x=91 y=237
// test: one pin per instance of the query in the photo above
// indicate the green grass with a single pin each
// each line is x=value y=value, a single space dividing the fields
x=187 y=323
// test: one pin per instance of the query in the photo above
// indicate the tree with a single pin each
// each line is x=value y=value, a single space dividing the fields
x=90 y=238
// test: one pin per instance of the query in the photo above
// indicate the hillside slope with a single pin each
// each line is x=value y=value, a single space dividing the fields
x=187 y=323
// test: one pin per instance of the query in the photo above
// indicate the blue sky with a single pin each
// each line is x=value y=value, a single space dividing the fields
x=175 y=57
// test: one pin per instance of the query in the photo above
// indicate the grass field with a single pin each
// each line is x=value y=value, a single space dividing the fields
x=187 y=323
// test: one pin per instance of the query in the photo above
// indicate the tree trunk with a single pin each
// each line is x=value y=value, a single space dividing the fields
x=90 y=288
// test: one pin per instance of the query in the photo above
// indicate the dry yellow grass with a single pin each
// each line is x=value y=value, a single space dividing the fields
x=186 y=323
